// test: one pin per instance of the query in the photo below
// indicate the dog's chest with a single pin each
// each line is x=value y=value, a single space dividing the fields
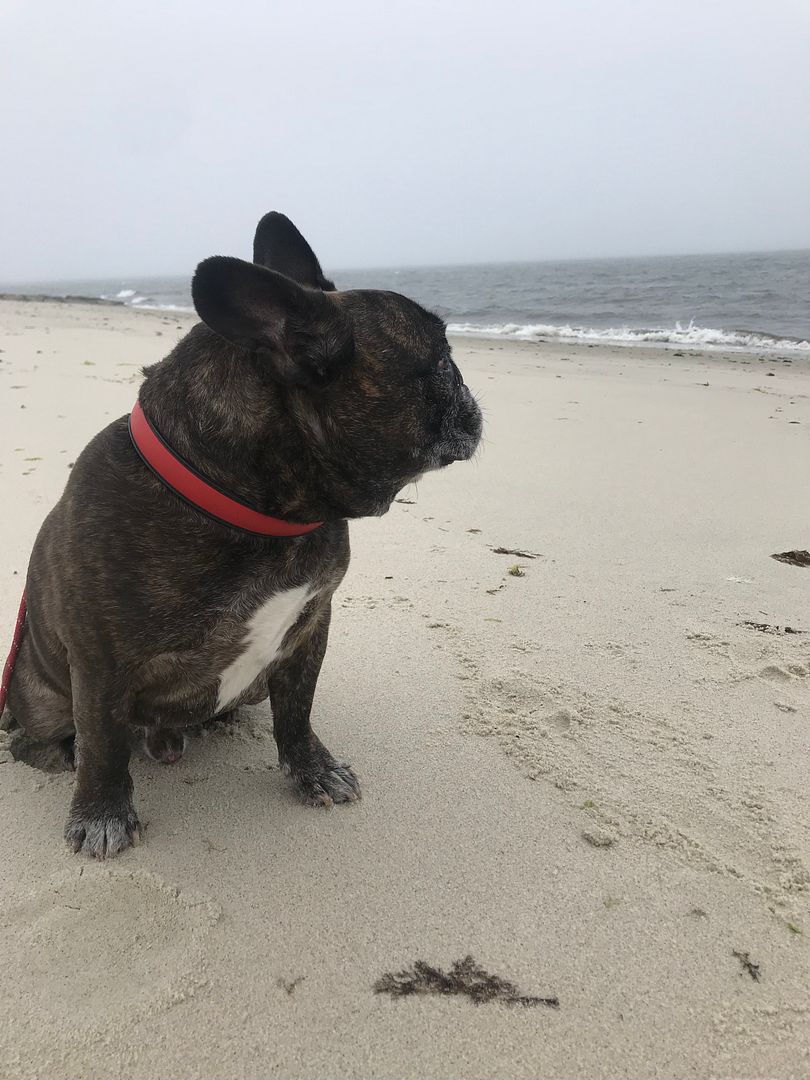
x=265 y=631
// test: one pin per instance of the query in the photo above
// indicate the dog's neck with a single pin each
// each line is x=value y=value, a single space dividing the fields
x=211 y=405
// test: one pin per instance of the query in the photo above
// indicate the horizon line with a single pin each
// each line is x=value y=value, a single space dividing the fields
x=432 y=265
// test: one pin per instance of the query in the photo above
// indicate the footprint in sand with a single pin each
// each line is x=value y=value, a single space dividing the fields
x=644 y=774
x=98 y=947
x=563 y=719
x=772 y=1033
x=785 y=673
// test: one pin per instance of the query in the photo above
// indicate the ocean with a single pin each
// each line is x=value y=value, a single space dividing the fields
x=757 y=301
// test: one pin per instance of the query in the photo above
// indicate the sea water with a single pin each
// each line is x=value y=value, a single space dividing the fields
x=758 y=301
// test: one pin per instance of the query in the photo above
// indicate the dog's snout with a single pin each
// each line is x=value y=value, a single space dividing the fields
x=471 y=421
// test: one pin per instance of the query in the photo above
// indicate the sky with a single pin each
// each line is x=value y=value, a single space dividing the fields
x=139 y=138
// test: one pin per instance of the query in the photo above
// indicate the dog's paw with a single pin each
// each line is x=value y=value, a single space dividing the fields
x=165 y=745
x=102 y=831
x=325 y=782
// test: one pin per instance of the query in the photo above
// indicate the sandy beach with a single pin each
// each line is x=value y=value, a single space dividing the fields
x=585 y=763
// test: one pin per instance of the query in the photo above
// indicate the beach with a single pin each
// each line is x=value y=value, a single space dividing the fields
x=584 y=759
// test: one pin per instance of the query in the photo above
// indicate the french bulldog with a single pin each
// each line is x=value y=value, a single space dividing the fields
x=149 y=614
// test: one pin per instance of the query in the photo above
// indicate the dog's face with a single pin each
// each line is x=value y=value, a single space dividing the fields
x=368 y=376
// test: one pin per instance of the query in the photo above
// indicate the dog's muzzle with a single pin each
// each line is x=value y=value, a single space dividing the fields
x=461 y=431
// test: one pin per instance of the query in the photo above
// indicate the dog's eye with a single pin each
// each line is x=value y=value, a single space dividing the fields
x=437 y=367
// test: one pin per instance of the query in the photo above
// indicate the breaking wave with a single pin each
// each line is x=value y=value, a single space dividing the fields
x=702 y=337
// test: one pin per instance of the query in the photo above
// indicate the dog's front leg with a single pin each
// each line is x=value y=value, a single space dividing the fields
x=102 y=820
x=319 y=778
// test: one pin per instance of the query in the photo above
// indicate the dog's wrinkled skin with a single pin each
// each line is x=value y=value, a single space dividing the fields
x=303 y=402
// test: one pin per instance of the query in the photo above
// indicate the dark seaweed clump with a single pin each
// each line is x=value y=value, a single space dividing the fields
x=465 y=978
x=793 y=558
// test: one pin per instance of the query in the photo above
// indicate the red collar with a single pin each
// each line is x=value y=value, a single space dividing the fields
x=200 y=493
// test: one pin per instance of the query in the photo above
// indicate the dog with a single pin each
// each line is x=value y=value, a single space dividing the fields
x=154 y=605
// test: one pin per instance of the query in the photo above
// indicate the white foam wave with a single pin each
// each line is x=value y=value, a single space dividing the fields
x=702 y=337
x=124 y=294
x=163 y=307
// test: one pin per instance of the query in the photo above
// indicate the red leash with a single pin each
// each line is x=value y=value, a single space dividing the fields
x=16 y=642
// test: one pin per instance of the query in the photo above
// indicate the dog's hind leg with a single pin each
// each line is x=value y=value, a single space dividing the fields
x=102 y=820
x=319 y=778
x=39 y=715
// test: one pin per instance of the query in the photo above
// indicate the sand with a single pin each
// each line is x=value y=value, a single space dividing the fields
x=589 y=774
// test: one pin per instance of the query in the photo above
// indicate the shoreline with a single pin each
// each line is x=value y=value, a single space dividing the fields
x=797 y=348
x=45 y=298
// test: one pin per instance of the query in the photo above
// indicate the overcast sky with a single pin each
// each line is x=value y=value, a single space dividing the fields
x=138 y=138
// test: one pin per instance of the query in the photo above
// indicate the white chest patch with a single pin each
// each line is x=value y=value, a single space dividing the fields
x=265 y=632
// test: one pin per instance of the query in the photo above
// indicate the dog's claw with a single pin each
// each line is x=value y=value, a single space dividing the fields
x=336 y=783
x=103 y=834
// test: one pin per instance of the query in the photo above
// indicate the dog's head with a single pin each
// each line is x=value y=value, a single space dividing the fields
x=367 y=376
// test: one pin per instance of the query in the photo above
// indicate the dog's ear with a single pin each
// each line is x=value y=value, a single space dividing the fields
x=301 y=334
x=279 y=246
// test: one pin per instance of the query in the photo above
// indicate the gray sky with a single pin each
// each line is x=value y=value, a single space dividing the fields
x=138 y=138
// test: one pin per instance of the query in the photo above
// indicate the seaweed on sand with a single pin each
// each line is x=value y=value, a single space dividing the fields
x=465 y=978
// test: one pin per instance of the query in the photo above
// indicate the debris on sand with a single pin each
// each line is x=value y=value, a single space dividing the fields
x=516 y=552
x=516 y=571
x=794 y=558
x=289 y=985
x=598 y=838
x=465 y=978
x=748 y=964
x=766 y=628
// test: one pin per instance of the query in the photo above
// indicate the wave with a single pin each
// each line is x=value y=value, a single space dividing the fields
x=128 y=297
x=152 y=306
x=702 y=337
x=131 y=298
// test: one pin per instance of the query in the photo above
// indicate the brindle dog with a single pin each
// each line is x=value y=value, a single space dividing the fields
x=145 y=615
